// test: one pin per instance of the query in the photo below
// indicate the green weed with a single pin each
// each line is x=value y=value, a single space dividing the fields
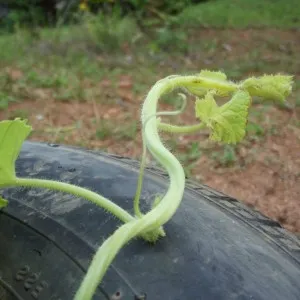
x=188 y=170
x=169 y=39
x=107 y=129
x=297 y=123
x=43 y=81
x=172 y=99
x=194 y=152
x=128 y=132
x=226 y=157
x=273 y=130
x=104 y=130
x=254 y=129
x=210 y=46
x=110 y=33
x=19 y=113
x=190 y=154
x=231 y=13
x=5 y=99
x=73 y=92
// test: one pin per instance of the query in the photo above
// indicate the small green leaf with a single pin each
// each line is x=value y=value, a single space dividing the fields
x=227 y=122
x=3 y=202
x=274 y=87
x=206 y=108
x=12 y=135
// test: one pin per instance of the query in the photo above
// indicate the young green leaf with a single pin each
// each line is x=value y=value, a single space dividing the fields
x=206 y=108
x=12 y=135
x=227 y=122
x=3 y=202
x=274 y=87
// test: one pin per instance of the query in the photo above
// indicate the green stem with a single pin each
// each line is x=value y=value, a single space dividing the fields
x=101 y=201
x=136 y=202
x=171 y=200
x=180 y=129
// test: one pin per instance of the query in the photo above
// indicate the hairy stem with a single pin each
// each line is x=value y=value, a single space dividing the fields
x=136 y=202
x=99 y=200
x=180 y=129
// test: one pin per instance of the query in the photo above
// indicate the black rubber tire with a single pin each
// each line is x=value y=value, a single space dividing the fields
x=215 y=248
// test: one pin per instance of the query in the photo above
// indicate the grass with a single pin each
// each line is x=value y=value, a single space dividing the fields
x=5 y=100
x=104 y=130
x=242 y=14
x=225 y=157
x=189 y=157
x=109 y=130
x=110 y=32
x=255 y=130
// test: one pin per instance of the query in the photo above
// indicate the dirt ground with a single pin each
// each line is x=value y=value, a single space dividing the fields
x=266 y=170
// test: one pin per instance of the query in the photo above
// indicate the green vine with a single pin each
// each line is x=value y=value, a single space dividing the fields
x=226 y=123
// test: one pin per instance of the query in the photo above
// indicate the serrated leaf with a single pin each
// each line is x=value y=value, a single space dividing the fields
x=3 y=202
x=274 y=87
x=12 y=135
x=206 y=108
x=228 y=122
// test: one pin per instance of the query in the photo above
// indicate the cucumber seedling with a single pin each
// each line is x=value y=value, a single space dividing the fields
x=226 y=123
